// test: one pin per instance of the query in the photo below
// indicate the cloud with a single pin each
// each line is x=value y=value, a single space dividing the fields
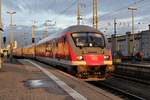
x=64 y=12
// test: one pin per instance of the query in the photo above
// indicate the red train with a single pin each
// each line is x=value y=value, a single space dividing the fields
x=80 y=49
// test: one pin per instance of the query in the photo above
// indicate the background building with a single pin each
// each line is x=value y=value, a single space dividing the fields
x=124 y=43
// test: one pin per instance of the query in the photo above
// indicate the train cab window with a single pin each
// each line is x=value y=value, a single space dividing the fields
x=88 y=40
x=80 y=39
x=96 y=40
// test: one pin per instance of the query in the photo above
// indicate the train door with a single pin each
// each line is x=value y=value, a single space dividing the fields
x=66 y=49
x=54 y=49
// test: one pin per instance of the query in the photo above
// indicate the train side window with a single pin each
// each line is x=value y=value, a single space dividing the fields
x=65 y=39
x=56 y=44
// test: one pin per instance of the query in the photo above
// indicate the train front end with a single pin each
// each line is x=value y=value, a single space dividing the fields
x=90 y=55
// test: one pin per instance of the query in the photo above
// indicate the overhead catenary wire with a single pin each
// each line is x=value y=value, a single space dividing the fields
x=115 y=12
x=64 y=10
x=67 y=8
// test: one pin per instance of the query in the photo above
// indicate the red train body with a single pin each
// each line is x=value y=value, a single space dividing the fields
x=80 y=49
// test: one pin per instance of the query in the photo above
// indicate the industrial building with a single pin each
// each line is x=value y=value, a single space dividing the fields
x=130 y=44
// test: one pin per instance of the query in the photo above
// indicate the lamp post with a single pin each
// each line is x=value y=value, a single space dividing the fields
x=33 y=37
x=11 y=13
x=132 y=9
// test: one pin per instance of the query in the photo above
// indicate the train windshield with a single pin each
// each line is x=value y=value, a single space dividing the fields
x=88 y=39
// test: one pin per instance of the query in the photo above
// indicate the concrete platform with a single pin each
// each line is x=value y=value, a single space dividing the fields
x=30 y=80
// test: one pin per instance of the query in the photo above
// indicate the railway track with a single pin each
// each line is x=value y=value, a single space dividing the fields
x=132 y=79
x=135 y=78
x=127 y=95
x=140 y=65
x=136 y=72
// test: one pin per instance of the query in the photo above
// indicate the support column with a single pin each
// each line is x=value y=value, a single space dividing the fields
x=1 y=30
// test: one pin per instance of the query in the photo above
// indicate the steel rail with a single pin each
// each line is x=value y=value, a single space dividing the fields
x=132 y=79
x=134 y=65
x=129 y=95
x=121 y=92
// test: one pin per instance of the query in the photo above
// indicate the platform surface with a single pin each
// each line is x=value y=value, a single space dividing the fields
x=24 y=80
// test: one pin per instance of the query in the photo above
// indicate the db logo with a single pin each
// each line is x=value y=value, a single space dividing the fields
x=94 y=58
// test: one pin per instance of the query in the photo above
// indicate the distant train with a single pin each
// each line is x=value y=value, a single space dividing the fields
x=80 y=49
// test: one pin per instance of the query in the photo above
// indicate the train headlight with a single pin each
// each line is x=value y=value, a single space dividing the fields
x=106 y=57
x=79 y=57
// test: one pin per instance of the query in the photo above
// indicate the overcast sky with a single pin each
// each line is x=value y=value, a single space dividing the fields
x=63 y=12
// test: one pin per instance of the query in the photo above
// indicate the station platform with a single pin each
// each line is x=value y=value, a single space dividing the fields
x=30 y=80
